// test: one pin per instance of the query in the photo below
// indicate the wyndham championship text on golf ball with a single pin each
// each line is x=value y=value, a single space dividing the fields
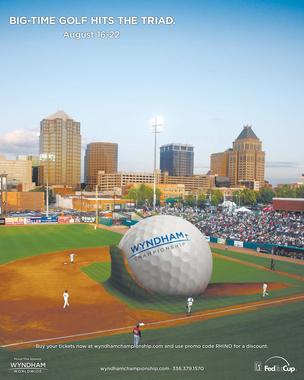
x=168 y=255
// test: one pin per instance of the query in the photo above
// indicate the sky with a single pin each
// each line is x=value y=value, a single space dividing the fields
x=221 y=65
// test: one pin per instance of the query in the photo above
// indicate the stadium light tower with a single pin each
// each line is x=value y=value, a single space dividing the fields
x=157 y=127
x=47 y=157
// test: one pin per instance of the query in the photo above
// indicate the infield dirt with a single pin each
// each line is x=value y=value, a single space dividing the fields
x=32 y=303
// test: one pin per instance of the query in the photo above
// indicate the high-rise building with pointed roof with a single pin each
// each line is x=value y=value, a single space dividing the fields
x=60 y=137
x=244 y=164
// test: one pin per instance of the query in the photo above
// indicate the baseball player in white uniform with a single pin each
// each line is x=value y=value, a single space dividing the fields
x=265 y=293
x=72 y=256
x=190 y=301
x=66 y=299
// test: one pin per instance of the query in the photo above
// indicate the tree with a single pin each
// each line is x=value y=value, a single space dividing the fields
x=189 y=200
x=300 y=191
x=133 y=194
x=265 y=195
x=201 y=200
x=143 y=195
x=285 y=191
x=244 y=197
x=216 y=197
x=248 y=197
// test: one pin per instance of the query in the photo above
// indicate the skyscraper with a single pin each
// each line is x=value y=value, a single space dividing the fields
x=100 y=156
x=60 y=137
x=19 y=172
x=35 y=165
x=244 y=163
x=177 y=159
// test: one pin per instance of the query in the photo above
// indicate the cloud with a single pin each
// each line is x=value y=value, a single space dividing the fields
x=20 y=141
x=284 y=171
x=282 y=164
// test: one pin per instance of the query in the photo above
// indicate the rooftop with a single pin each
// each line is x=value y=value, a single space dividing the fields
x=59 y=115
x=178 y=144
x=247 y=133
x=289 y=199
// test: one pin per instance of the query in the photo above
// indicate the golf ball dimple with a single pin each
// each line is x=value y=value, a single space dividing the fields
x=168 y=255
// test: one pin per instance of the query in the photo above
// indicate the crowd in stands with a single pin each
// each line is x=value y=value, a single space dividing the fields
x=280 y=228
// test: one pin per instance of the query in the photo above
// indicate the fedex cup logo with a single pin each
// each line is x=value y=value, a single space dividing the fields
x=274 y=364
x=158 y=241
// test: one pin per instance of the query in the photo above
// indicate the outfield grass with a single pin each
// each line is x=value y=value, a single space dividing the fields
x=283 y=266
x=277 y=327
x=99 y=272
x=122 y=286
x=229 y=271
x=20 y=242
x=25 y=241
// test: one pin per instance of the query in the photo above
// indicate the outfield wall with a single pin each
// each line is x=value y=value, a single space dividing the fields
x=258 y=247
x=22 y=220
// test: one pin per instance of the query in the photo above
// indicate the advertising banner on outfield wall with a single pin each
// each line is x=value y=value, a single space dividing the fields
x=88 y=219
x=49 y=219
x=65 y=219
x=2 y=221
x=15 y=221
x=238 y=243
x=207 y=238
x=221 y=241
x=33 y=220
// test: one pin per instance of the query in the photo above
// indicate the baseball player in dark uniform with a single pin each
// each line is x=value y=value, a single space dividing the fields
x=136 y=335
x=272 y=265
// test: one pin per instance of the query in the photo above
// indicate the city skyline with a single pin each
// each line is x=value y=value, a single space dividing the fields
x=84 y=146
x=221 y=66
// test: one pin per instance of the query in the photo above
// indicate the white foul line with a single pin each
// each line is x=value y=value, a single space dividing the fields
x=195 y=316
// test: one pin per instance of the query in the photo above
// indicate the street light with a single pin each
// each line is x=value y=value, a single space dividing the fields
x=3 y=194
x=157 y=127
x=47 y=157
x=96 y=210
x=239 y=196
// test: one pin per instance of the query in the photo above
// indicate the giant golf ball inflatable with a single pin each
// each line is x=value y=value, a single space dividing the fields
x=168 y=255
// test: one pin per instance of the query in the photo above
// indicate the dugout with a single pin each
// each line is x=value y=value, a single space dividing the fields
x=289 y=251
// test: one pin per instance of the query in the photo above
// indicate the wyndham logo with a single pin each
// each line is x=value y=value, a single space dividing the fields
x=26 y=365
x=274 y=364
x=158 y=241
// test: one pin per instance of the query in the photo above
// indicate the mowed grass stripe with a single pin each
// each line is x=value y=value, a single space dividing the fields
x=229 y=271
x=99 y=272
x=25 y=241
x=283 y=266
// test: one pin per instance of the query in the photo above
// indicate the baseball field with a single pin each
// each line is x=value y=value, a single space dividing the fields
x=231 y=330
